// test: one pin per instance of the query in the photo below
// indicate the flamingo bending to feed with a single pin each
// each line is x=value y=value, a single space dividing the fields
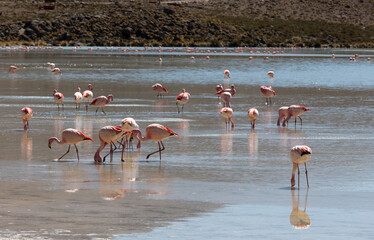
x=268 y=92
x=295 y=111
x=159 y=89
x=227 y=113
x=253 y=115
x=26 y=114
x=231 y=90
x=282 y=114
x=13 y=69
x=227 y=73
x=88 y=95
x=182 y=99
x=299 y=155
x=270 y=74
x=157 y=133
x=109 y=135
x=226 y=99
x=78 y=97
x=129 y=124
x=59 y=98
x=70 y=136
x=101 y=101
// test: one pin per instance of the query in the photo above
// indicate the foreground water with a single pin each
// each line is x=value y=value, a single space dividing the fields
x=212 y=182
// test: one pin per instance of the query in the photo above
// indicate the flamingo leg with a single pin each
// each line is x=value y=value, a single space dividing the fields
x=76 y=149
x=123 y=149
x=159 y=150
x=177 y=107
x=65 y=153
x=301 y=121
x=62 y=107
x=232 y=123
x=102 y=109
x=86 y=106
x=306 y=175
x=270 y=100
x=298 y=176
x=182 y=108
x=96 y=110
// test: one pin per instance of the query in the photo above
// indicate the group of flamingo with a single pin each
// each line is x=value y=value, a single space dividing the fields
x=128 y=129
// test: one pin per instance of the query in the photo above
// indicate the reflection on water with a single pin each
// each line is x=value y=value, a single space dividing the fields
x=226 y=143
x=253 y=147
x=160 y=105
x=290 y=137
x=183 y=129
x=267 y=115
x=299 y=219
x=26 y=147
x=72 y=178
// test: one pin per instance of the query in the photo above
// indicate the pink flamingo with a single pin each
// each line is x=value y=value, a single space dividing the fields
x=129 y=124
x=270 y=74
x=26 y=114
x=70 y=136
x=282 y=114
x=159 y=89
x=231 y=90
x=268 y=92
x=253 y=115
x=109 y=135
x=157 y=133
x=227 y=113
x=88 y=95
x=56 y=71
x=101 y=101
x=182 y=99
x=78 y=97
x=12 y=69
x=59 y=98
x=218 y=89
x=299 y=155
x=227 y=73
x=226 y=99
x=295 y=111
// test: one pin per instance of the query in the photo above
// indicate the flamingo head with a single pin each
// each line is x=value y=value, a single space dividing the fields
x=89 y=87
x=79 y=89
x=110 y=96
x=50 y=141
x=54 y=91
x=233 y=86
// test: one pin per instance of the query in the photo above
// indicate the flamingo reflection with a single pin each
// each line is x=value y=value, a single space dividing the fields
x=299 y=219
x=253 y=147
x=226 y=143
x=26 y=147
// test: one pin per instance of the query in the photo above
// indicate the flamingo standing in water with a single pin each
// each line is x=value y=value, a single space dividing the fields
x=227 y=113
x=157 y=133
x=295 y=111
x=56 y=71
x=26 y=114
x=12 y=69
x=282 y=114
x=101 y=101
x=268 y=92
x=218 y=89
x=159 y=89
x=231 y=90
x=299 y=155
x=226 y=99
x=70 y=136
x=270 y=74
x=253 y=115
x=182 y=99
x=129 y=124
x=78 y=97
x=109 y=135
x=88 y=95
x=59 y=98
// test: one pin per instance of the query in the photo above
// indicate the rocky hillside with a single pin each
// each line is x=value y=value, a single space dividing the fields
x=338 y=23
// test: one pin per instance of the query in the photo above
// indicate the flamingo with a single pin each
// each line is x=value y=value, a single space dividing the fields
x=231 y=90
x=299 y=155
x=56 y=71
x=159 y=89
x=129 y=124
x=59 y=98
x=182 y=99
x=282 y=113
x=271 y=74
x=227 y=113
x=157 y=133
x=218 y=89
x=51 y=65
x=295 y=111
x=78 y=98
x=227 y=73
x=268 y=92
x=101 y=101
x=70 y=136
x=26 y=114
x=109 y=135
x=226 y=98
x=12 y=69
x=88 y=95
x=253 y=115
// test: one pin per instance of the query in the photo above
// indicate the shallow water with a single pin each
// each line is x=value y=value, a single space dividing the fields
x=221 y=183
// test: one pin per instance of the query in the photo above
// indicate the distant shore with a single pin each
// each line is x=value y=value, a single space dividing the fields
x=182 y=23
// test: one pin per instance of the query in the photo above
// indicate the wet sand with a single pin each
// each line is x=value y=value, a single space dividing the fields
x=219 y=182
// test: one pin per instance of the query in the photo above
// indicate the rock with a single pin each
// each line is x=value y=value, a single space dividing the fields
x=168 y=10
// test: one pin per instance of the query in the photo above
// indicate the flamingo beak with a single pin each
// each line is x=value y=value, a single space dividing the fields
x=49 y=145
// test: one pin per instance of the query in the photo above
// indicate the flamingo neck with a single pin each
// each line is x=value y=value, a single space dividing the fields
x=138 y=135
x=97 y=156
x=54 y=139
